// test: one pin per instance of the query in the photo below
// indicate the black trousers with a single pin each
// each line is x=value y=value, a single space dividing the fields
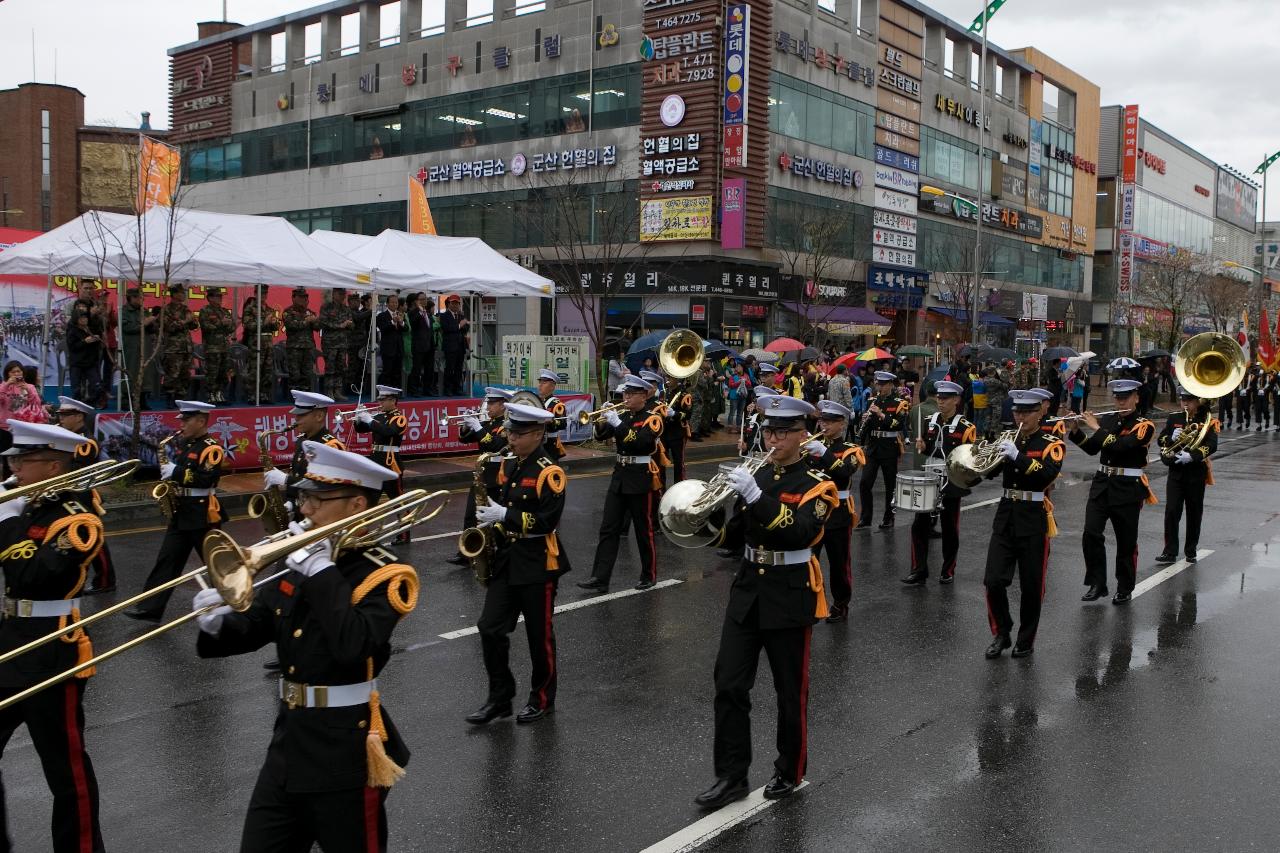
x=1188 y=492
x=888 y=468
x=1262 y=412
x=55 y=721
x=619 y=510
x=1028 y=557
x=675 y=449
x=453 y=372
x=920 y=528
x=1124 y=521
x=104 y=572
x=503 y=605
x=835 y=542
x=352 y=821
x=423 y=379
x=1225 y=408
x=735 y=675
x=175 y=550
x=392 y=370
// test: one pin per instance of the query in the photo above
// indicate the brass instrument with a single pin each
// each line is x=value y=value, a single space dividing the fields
x=1210 y=365
x=234 y=570
x=478 y=414
x=163 y=494
x=84 y=480
x=350 y=414
x=685 y=513
x=585 y=418
x=269 y=505
x=681 y=353
x=478 y=544
x=969 y=464
x=1075 y=417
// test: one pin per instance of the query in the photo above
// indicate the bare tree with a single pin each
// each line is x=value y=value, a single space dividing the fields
x=952 y=258
x=1224 y=298
x=817 y=246
x=1173 y=283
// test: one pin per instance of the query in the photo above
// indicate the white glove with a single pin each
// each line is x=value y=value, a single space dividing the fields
x=211 y=622
x=1182 y=458
x=744 y=483
x=313 y=559
x=472 y=424
x=12 y=508
x=1177 y=431
x=1009 y=449
x=274 y=477
x=295 y=527
x=490 y=514
x=815 y=448
x=166 y=470
x=364 y=417
x=612 y=417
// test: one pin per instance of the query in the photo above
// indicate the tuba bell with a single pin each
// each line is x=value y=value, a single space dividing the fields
x=1210 y=365
x=680 y=354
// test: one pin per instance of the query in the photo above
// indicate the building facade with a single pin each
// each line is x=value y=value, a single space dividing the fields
x=751 y=169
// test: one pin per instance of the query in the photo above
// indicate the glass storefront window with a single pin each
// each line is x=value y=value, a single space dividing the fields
x=801 y=111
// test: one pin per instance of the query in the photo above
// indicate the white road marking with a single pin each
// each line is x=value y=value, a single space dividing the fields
x=436 y=536
x=966 y=507
x=1166 y=573
x=696 y=834
x=577 y=605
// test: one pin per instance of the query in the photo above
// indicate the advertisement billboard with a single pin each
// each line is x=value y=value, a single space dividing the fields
x=1236 y=201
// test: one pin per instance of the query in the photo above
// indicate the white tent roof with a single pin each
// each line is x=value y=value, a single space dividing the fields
x=439 y=264
x=67 y=249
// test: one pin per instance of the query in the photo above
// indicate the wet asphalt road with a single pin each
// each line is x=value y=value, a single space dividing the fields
x=1139 y=728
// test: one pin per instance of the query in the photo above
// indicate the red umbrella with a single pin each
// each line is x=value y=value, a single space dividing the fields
x=784 y=345
x=847 y=360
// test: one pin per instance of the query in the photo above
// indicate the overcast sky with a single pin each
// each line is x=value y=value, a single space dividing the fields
x=1199 y=70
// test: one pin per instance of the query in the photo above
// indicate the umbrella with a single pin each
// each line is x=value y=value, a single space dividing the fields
x=761 y=355
x=715 y=348
x=847 y=360
x=997 y=354
x=784 y=345
x=1058 y=352
x=651 y=341
x=967 y=349
x=1155 y=353
x=875 y=354
x=913 y=349
x=797 y=356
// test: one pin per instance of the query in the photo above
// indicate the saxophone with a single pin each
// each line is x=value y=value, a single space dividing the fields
x=478 y=544
x=163 y=492
x=269 y=506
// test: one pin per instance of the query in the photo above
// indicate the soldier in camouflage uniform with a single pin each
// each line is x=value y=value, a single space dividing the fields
x=336 y=341
x=259 y=345
x=300 y=324
x=177 y=323
x=216 y=328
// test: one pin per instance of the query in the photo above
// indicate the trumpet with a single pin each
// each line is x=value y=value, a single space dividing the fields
x=86 y=479
x=585 y=418
x=369 y=408
x=460 y=416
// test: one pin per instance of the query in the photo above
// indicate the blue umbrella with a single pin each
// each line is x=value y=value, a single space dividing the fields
x=651 y=341
x=718 y=348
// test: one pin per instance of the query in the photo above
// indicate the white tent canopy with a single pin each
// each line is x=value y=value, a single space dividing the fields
x=439 y=264
x=68 y=249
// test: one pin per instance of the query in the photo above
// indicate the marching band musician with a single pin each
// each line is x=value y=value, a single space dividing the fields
x=334 y=751
x=1119 y=489
x=838 y=459
x=881 y=440
x=194 y=477
x=74 y=415
x=388 y=428
x=491 y=437
x=1058 y=429
x=632 y=488
x=527 y=566
x=311 y=423
x=751 y=440
x=776 y=597
x=656 y=405
x=945 y=430
x=45 y=548
x=675 y=426
x=547 y=381
x=1189 y=472
x=1022 y=527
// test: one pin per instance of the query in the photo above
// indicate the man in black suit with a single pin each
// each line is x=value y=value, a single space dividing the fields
x=390 y=324
x=454 y=329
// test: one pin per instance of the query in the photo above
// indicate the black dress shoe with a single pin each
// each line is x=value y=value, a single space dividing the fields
x=1122 y=598
x=998 y=645
x=594 y=583
x=1021 y=651
x=489 y=712
x=458 y=560
x=1166 y=559
x=1190 y=558
x=143 y=615
x=946 y=579
x=723 y=792
x=1095 y=592
x=643 y=585
x=887 y=523
x=779 y=788
x=838 y=613
x=530 y=714
x=863 y=525
x=99 y=590
x=272 y=665
x=915 y=579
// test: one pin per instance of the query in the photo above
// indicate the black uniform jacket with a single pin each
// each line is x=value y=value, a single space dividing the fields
x=1120 y=443
x=554 y=446
x=298 y=465
x=951 y=433
x=636 y=435
x=492 y=438
x=1037 y=465
x=44 y=553
x=533 y=491
x=387 y=428
x=676 y=419
x=1198 y=468
x=198 y=465
x=840 y=463
x=321 y=639
x=789 y=515
x=892 y=418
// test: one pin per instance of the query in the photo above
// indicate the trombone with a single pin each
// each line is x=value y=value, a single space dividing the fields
x=91 y=477
x=585 y=418
x=233 y=570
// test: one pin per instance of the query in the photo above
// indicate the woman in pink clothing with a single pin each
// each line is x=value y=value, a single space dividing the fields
x=19 y=399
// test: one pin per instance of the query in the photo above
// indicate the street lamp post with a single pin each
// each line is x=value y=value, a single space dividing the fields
x=1262 y=242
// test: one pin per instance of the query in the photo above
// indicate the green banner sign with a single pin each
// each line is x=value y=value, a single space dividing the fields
x=978 y=22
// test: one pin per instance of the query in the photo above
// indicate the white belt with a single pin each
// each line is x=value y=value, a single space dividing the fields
x=763 y=557
x=23 y=607
x=1120 y=472
x=386 y=448
x=319 y=696
x=1016 y=495
x=193 y=493
x=880 y=433
x=633 y=460
x=844 y=496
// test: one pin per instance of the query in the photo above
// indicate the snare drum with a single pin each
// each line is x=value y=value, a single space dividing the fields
x=918 y=491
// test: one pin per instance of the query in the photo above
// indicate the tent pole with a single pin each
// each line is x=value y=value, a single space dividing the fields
x=257 y=347
x=370 y=351
x=44 y=338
